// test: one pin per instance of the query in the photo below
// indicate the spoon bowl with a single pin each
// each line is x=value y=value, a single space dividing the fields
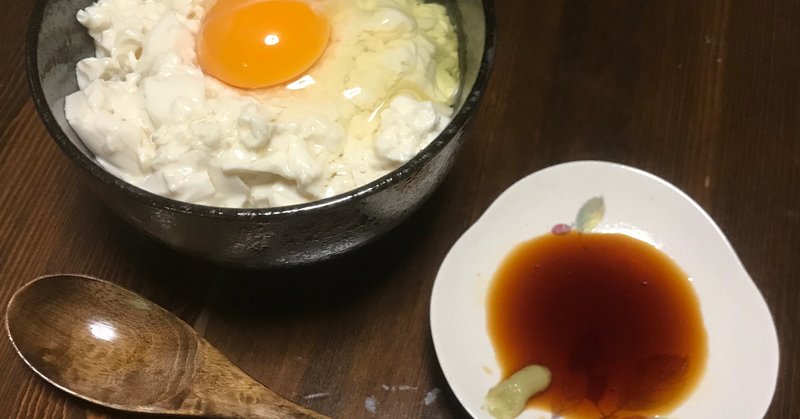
x=105 y=344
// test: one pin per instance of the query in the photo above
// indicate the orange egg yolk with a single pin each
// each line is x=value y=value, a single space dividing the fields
x=260 y=43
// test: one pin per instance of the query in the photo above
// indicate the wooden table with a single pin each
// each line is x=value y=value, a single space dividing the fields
x=705 y=94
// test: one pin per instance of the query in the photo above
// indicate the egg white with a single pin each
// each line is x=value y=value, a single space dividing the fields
x=381 y=91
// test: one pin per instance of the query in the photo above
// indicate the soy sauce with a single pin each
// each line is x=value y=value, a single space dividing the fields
x=615 y=320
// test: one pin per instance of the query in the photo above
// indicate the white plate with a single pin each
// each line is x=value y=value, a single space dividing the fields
x=742 y=366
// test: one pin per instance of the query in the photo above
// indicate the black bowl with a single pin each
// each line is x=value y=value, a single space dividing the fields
x=264 y=237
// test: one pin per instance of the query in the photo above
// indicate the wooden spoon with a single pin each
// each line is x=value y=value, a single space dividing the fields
x=112 y=347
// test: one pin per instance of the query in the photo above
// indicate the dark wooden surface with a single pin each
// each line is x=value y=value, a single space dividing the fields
x=705 y=94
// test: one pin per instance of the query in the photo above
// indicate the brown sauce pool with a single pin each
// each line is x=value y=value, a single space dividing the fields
x=615 y=320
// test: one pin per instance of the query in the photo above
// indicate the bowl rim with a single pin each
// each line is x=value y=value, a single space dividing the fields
x=460 y=119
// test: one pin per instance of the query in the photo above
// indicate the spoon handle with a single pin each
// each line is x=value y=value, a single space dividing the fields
x=275 y=409
x=227 y=391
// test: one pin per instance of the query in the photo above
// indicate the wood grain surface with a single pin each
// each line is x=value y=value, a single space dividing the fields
x=705 y=94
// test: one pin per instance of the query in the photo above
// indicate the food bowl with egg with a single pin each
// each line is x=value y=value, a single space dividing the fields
x=261 y=133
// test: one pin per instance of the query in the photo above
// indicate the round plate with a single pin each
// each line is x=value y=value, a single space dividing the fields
x=742 y=366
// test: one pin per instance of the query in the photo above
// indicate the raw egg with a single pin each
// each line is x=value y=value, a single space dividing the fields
x=260 y=43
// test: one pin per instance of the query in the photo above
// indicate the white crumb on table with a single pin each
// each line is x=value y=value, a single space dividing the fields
x=316 y=396
x=432 y=396
x=401 y=387
x=371 y=405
